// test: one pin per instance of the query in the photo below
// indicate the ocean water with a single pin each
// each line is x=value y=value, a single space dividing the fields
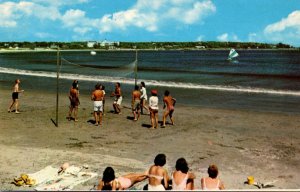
x=263 y=80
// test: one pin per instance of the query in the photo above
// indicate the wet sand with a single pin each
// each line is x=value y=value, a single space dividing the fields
x=262 y=144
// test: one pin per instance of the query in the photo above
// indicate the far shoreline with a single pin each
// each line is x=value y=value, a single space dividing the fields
x=119 y=49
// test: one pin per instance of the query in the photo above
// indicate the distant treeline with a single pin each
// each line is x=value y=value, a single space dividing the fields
x=142 y=45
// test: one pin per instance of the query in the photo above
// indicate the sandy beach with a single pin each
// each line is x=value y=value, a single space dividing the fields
x=265 y=145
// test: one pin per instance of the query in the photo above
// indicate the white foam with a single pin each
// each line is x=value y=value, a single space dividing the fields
x=149 y=82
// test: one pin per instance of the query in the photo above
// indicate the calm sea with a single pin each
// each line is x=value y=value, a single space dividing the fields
x=262 y=80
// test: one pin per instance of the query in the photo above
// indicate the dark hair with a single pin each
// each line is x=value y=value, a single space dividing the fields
x=108 y=175
x=118 y=84
x=212 y=171
x=136 y=87
x=97 y=86
x=167 y=93
x=181 y=165
x=160 y=160
x=102 y=87
x=143 y=84
x=74 y=85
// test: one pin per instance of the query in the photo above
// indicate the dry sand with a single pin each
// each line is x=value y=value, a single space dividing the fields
x=241 y=143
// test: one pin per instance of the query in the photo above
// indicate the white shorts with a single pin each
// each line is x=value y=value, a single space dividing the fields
x=118 y=100
x=98 y=106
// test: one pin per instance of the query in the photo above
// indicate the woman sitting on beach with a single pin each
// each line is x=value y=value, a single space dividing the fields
x=181 y=178
x=109 y=181
x=211 y=182
x=157 y=174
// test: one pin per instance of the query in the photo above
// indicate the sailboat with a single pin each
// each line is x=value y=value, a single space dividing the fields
x=93 y=53
x=232 y=54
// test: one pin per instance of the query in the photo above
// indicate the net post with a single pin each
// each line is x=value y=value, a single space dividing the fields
x=57 y=85
x=135 y=68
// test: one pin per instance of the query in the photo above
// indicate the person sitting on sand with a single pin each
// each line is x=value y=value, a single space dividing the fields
x=169 y=102
x=153 y=108
x=136 y=103
x=110 y=182
x=181 y=178
x=211 y=182
x=15 y=96
x=118 y=100
x=74 y=101
x=97 y=97
x=157 y=174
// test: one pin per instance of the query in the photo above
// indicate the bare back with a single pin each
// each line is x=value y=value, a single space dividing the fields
x=168 y=100
x=136 y=95
x=157 y=174
x=73 y=93
x=97 y=95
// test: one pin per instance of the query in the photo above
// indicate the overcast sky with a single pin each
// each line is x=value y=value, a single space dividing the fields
x=270 y=21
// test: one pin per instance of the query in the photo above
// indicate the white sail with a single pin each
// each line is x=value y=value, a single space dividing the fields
x=232 y=54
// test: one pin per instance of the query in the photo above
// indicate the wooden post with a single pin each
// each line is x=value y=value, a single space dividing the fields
x=135 y=69
x=57 y=84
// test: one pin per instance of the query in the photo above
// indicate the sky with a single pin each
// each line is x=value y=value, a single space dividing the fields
x=266 y=21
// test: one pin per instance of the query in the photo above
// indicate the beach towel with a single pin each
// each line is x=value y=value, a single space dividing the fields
x=49 y=179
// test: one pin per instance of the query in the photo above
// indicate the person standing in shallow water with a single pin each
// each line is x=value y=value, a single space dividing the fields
x=169 y=103
x=15 y=96
x=118 y=98
x=74 y=101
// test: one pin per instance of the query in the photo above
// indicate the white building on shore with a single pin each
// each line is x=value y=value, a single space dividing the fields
x=91 y=44
x=104 y=43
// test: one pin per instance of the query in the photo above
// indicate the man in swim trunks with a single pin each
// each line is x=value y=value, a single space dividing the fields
x=74 y=101
x=15 y=96
x=118 y=100
x=136 y=103
x=97 y=97
x=169 y=102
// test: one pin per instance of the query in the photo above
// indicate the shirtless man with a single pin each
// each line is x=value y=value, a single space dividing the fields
x=15 y=96
x=74 y=102
x=97 y=97
x=118 y=99
x=169 y=102
x=136 y=103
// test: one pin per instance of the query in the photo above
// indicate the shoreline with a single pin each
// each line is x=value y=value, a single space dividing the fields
x=124 y=49
x=241 y=143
